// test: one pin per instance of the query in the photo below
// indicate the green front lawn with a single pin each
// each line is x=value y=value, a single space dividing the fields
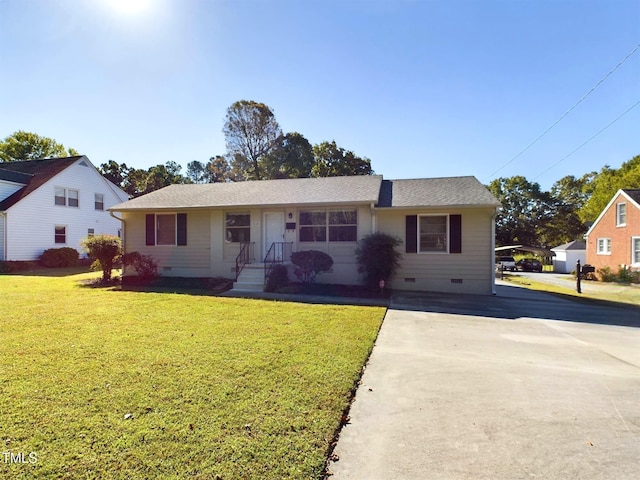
x=103 y=383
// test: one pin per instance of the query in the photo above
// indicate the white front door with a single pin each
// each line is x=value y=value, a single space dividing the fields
x=273 y=230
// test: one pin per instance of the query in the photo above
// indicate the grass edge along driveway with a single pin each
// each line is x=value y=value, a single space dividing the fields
x=103 y=383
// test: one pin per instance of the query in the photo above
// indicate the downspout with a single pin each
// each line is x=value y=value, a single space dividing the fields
x=124 y=226
x=492 y=255
x=374 y=225
x=4 y=237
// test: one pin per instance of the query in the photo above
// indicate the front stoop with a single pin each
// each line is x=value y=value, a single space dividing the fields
x=251 y=279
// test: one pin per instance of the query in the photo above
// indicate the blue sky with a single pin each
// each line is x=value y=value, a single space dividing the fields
x=422 y=88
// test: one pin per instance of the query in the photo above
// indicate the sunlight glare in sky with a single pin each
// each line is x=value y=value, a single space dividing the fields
x=129 y=7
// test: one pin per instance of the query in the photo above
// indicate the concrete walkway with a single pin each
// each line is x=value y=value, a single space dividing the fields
x=517 y=386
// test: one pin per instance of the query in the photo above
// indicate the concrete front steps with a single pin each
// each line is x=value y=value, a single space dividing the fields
x=251 y=278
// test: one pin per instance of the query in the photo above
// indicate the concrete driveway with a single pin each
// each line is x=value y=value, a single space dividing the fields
x=521 y=385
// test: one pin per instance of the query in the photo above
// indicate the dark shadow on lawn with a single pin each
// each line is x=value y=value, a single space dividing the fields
x=516 y=302
x=37 y=271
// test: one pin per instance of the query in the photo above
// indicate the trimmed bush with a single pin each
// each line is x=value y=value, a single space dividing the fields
x=309 y=263
x=59 y=257
x=105 y=249
x=378 y=258
x=278 y=278
x=145 y=266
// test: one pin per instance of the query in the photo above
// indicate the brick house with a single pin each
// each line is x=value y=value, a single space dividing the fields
x=614 y=238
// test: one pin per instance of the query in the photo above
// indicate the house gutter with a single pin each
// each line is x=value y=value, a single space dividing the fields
x=374 y=225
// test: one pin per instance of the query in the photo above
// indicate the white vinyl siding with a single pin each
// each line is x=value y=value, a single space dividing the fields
x=443 y=273
x=31 y=221
x=191 y=260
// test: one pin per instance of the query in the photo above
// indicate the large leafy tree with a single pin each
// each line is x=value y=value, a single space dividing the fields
x=605 y=185
x=137 y=181
x=23 y=145
x=525 y=210
x=251 y=132
x=197 y=172
x=567 y=196
x=114 y=172
x=330 y=160
x=219 y=170
x=292 y=157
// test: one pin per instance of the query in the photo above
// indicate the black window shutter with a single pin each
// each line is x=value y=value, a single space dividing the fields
x=150 y=229
x=182 y=228
x=411 y=235
x=455 y=233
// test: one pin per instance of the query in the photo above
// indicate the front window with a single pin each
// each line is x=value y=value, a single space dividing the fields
x=621 y=214
x=313 y=226
x=332 y=225
x=166 y=229
x=604 y=246
x=433 y=233
x=343 y=226
x=99 y=201
x=60 y=234
x=238 y=227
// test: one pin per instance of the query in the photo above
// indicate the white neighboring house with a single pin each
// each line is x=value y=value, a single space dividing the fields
x=567 y=256
x=53 y=203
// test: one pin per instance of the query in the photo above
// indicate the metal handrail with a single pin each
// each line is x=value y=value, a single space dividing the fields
x=245 y=256
x=278 y=253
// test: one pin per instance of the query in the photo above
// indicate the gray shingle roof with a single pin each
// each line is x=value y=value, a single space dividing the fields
x=365 y=189
x=300 y=191
x=434 y=192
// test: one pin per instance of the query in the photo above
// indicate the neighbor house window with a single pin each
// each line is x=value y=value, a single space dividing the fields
x=99 y=201
x=238 y=227
x=61 y=196
x=60 y=234
x=72 y=198
x=65 y=196
x=334 y=225
x=621 y=214
x=313 y=226
x=635 y=250
x=91 y=232
x=604 y=246
x=432 y=233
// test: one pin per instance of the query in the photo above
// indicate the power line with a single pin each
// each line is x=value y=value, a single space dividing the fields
x=568 y=111
x=594 y=136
